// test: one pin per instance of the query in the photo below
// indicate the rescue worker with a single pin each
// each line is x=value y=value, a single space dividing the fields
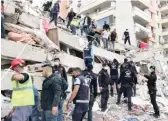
x=51 y=93
x=114 y=75
x=88 y=74
x=80 y=95
x=151 y=83
x=104 y=79
x=75 y=23
x=88 y=55
x=126 y=80
x=135 y=81
x=22 y=95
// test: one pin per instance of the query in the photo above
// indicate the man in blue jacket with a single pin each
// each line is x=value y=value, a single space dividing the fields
x=55 y=11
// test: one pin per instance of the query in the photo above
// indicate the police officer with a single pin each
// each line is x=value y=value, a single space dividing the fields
x=88 y=73
x=152 y=90
x=135 y=80
x=114 y=75
x=80 y=95
x=104 y=79
x=126 y=80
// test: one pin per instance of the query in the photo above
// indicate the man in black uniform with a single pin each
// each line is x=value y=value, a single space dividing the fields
x=92 y=78
x=80 y=95
x=152 y=90
x=114 y=75
x=135 y=80
x=103 y=84
x=126 y=80
x=127 y=37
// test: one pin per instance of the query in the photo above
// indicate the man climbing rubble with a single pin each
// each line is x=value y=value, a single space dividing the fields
x=151 y=83
x=104 y=79
x=80 y=95
x=22 y=96
x=92 y=78
x=55 y=11
x=126 y=80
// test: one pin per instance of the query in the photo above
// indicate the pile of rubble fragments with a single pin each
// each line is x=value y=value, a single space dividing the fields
x=24 y=23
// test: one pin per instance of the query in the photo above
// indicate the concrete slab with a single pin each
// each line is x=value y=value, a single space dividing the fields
x=12 y=19
x=9 y=8
x=29 y=20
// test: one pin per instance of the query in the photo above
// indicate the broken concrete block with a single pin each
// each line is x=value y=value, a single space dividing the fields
x=12 y=19
x=9 y=8
x=29 y=20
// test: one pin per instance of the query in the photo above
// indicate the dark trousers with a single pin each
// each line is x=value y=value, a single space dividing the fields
x=69 y=22
x=73 y=29
x=114 y=81
x=88 y=61
x=3 y=34
x=79 y=111
x=91 y=102
x=134 y=90
x=127 y=39
x=54 y=18
x=104 y=98
x=85 y=29
x=48 y=116
x=152 y=94
x=128 y=90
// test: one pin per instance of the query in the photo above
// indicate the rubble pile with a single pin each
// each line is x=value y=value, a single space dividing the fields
x=24 y=23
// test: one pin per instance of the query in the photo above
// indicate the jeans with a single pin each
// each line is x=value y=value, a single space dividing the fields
x=69 y=22
x=73 y=28
x=88 y=61
x=3 y=35
x=105 y=43
x=54 y=18
x=35 y=118
x=48 y=116
x=60 y=111
x=91 y=102
x=85 y=28
x=128 y=90
x=114 y=81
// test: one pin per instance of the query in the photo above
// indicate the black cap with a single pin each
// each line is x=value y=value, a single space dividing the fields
x=153 y=67
x=104 y=65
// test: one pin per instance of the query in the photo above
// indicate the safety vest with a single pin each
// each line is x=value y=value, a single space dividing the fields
x=23 y=94
x=75 y=22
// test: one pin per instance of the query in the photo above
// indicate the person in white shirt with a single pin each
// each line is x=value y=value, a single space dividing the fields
x=105 y=36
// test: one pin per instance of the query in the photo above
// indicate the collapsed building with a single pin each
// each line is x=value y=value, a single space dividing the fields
x=32 y=38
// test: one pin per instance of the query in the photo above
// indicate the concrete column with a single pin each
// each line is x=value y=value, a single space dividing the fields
x=124 y=20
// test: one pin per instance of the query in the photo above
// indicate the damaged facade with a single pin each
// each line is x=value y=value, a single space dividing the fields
x=29 y=39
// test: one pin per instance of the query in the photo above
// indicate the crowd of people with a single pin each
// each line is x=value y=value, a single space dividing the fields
x=85 y=84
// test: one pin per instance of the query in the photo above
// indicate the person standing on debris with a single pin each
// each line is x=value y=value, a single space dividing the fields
x=60 y=70
x=3 y=34
x=51 y=93
x=22 y=95
x=126 y=37
x=88 y=55
x=114 y=75
x=104 y=79
x=86 y=24
x=80 y=95
x=92 y=78
x=70 y=17
x=106 y=26
x=36 y=108
x=113 y=37
x=135 y=80
x=105 y=37
x=55 y=11
x=126 y=81
x=151 y=83
x=75 y=24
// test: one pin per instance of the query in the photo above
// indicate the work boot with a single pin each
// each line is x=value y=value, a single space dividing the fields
x=156 y=115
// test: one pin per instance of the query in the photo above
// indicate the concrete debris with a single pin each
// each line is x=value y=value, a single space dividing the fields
x=12 y=19
x=9 y=8
x=29 y=20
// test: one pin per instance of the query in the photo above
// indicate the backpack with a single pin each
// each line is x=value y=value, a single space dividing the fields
x=64 y=88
